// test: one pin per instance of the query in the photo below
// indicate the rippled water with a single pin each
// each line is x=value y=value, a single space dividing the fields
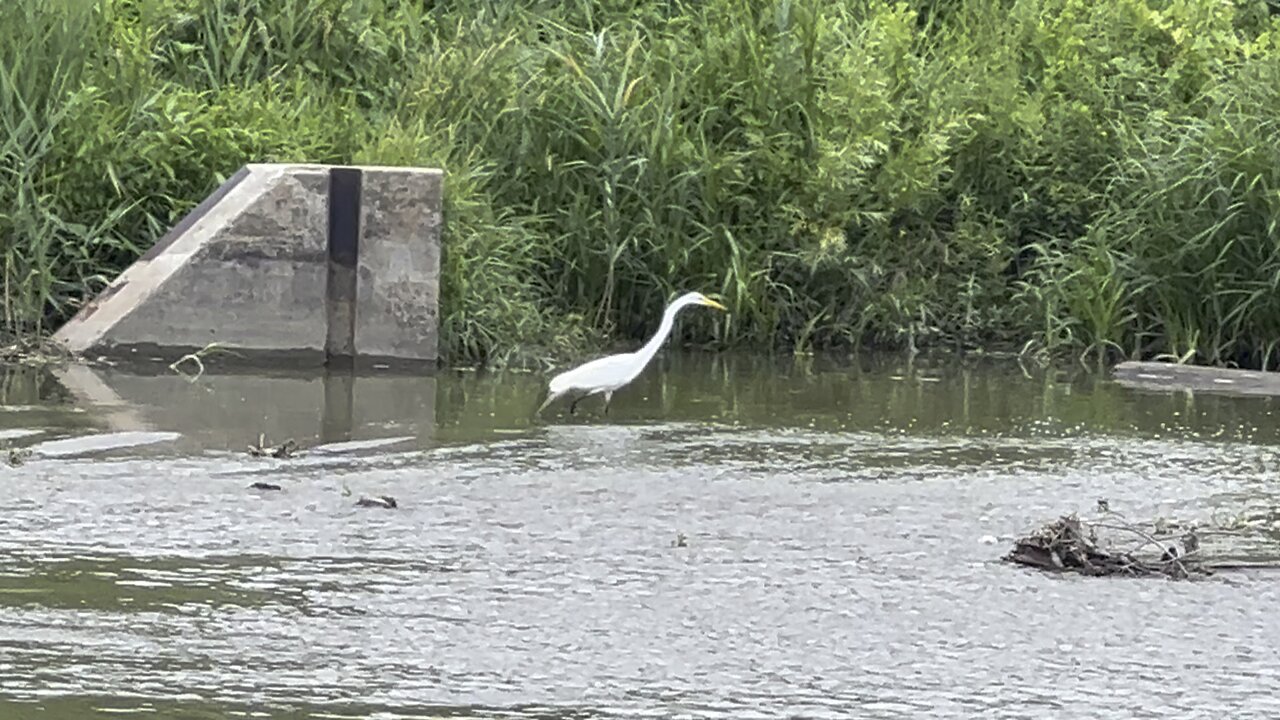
x=836 y=560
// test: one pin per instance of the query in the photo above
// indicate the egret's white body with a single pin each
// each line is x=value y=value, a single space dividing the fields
x=605 y=375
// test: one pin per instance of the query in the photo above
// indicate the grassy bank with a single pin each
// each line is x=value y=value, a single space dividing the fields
x=1060 y=175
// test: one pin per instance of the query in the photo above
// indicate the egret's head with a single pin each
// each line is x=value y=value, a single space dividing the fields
x=697 y=298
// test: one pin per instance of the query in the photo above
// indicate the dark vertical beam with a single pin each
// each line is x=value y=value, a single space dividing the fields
x=339 y=405
x=345 y=186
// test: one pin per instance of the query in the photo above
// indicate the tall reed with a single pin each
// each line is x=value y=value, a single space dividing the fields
x=1058 y=175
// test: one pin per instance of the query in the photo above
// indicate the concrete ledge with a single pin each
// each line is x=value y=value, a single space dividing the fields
x=319 y=264
x=1168 y=376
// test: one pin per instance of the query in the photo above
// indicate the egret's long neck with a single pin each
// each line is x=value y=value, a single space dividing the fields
x=650 y=348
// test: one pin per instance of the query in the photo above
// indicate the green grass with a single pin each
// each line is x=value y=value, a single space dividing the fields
x=1063 y=176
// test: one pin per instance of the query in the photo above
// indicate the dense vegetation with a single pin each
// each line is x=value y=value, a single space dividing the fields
x=1055 y=175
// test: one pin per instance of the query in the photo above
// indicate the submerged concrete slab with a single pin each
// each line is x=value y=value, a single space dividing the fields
x=1158 y=376
x=317 y=264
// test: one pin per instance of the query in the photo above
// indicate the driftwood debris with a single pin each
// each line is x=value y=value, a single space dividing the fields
x=1070 y=544
x=380 y=501
x=1110 y=545
x=285 y=450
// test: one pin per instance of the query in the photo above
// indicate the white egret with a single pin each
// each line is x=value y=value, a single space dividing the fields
x=607 y=374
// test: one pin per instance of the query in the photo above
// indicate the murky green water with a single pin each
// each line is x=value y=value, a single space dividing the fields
x=838 y=560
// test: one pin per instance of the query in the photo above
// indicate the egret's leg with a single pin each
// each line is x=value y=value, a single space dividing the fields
x=551 y=397
x=607 y=397
x=573 y=406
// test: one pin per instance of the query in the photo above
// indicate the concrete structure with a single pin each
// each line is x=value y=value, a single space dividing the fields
x=311 y=264
x=1169 y=376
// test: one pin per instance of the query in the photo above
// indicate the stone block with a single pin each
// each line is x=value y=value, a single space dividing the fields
x=307 y=263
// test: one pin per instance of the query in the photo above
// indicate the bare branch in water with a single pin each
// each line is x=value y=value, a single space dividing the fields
x=1070 y=544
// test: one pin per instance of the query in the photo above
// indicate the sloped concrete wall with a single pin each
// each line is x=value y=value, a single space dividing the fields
x=308 y=264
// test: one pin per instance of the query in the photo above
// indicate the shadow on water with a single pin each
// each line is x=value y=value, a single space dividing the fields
x=839 y=523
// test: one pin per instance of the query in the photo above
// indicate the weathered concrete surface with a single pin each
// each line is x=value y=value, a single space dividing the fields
x=399 y=279
x=258 y=270
x=1168 y=376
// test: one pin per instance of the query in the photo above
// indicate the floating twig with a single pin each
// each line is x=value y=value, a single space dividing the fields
x=18 y=456
x=197 y=358
x=284 y=450
x=33 y=350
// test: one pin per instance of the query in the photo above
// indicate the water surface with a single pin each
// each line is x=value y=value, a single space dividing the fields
x=842 y=524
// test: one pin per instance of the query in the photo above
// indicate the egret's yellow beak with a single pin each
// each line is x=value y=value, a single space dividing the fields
x=712 y=303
